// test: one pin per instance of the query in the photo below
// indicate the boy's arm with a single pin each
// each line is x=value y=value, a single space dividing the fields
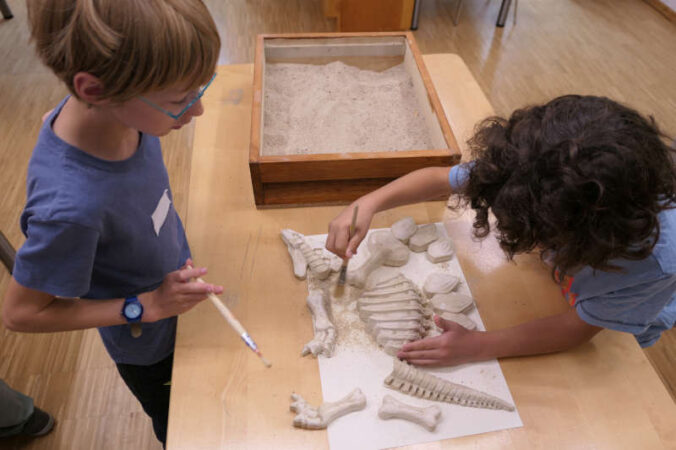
x=32 y=311
x=457 y=345
x=417 y=186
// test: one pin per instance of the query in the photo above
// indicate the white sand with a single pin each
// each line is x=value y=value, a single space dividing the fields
x=336 y=108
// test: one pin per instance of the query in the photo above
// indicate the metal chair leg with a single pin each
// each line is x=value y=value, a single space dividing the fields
x=416 y=15
x=4 y=8
x=7 y=253
x=456 y=16
x=502 y=15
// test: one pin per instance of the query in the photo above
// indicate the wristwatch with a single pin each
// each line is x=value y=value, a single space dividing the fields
x=132 y=309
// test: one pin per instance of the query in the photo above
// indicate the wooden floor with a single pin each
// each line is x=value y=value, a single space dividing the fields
x=619 y=48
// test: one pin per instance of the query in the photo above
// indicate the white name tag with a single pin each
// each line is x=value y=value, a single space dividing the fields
x=161 y=211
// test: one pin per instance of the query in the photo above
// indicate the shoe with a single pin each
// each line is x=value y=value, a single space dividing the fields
x=39 y=423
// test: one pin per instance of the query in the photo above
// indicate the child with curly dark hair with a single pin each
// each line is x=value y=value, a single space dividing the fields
x=589 y=184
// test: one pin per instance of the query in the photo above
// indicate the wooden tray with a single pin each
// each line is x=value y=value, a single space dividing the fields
x=332 y=178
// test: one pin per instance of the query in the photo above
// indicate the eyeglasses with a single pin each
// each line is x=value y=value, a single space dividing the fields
x=192 y=98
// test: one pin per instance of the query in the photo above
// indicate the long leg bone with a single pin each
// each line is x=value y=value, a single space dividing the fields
x=394 y=409
x=325 y=332
x=412 y=381
x=315 y=418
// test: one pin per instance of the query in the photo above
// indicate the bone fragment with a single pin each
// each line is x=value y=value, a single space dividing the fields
x=384 y=249
x=439 y=251
x=316 y=418
x=428 y=417
x=403 y=229
x=440 y=283
x=297 y=258
x=318 y=264
x=366 y=311
x=423 y=237
x=415 y=382
x=324 y=340
x=451 y=303
x=460 y=319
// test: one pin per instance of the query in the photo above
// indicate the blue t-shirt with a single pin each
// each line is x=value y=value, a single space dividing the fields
x=640 y=300
x=91 y=233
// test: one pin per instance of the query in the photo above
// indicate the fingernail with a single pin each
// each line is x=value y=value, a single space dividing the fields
x=203 y=270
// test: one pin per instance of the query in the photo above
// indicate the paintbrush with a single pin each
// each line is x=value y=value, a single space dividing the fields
x=234 y=323
x=343 y=268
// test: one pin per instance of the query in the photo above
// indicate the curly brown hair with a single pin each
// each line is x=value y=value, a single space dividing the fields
x=580 y=179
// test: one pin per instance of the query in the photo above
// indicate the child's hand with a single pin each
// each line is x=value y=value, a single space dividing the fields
x=178 y=293
x=338 y=241
x=457 y=345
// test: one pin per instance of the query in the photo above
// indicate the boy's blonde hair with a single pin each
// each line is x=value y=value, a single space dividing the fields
x=132 y=46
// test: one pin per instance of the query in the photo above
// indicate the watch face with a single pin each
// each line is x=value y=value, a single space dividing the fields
x=133 y=310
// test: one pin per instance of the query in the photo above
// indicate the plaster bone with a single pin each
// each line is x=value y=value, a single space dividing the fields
x=384 y=249
x=297 y=258
x=440 y=283
x=427 y=418
x=460 y=319
x=412 y=381
x=316 y=418
x=451 y=302
x=439 y=251
x=319 y=265
x=403 y=229
x=367 y=311
x=423 y=237
x=324 y=340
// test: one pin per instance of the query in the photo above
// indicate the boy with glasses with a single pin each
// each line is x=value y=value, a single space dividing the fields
x=104 y=245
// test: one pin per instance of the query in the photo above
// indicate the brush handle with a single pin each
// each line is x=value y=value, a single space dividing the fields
x=354 y=221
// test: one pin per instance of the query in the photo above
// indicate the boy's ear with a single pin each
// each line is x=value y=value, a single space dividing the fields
x=88 y=88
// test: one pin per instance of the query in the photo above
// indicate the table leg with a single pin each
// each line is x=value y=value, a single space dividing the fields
x=502 y=15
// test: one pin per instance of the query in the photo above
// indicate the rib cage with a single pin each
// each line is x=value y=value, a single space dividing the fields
x=411 y=381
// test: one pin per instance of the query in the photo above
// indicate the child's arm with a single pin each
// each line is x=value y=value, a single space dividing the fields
x=457 y=345
x=417 y=186
x=33 y=311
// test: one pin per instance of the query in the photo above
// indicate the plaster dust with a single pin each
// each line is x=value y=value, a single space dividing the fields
x=338 y=108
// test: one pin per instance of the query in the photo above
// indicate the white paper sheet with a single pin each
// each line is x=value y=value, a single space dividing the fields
x=357 y=362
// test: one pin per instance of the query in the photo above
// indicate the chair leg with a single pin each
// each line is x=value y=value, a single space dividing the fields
x=502 y=15
x=4 y=8
x=416 y=15
x=456 y=16
x=7 y=253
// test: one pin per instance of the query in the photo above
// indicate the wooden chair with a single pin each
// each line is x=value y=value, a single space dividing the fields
x=7 y=252
x=4 y=8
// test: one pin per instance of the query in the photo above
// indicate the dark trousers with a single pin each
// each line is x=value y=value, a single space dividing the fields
x=149 y=386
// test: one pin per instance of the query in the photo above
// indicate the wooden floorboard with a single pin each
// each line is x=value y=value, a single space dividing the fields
x=622 y=49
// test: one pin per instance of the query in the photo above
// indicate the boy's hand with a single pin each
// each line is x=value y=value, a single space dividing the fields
x=178 y=293
x=339 y=241
x=456 y=345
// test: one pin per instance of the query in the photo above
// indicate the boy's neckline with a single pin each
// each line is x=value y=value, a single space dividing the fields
x=83 y=134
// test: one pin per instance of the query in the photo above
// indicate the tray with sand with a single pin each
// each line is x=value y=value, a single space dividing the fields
x=336 y=115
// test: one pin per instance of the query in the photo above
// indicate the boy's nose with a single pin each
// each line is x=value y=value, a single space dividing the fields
x=197 y=109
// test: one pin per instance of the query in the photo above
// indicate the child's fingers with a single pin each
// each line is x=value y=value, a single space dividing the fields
x=340 y=244
x=418 y=354
x=353 y=244
x=425 y=362
x=423 y=344
x=187 y=274
x=195 y=287
x=331 y=241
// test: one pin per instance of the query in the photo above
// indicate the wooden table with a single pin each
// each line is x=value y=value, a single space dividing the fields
x=603 y=395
